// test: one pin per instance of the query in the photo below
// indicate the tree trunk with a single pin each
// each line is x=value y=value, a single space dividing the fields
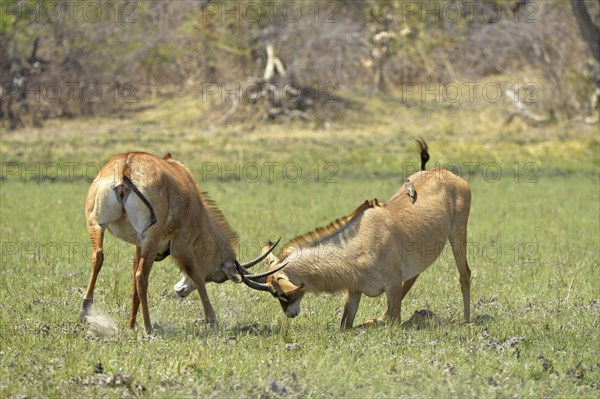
x=589 y=31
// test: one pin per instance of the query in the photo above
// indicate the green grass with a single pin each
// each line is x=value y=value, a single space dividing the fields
x=533 y=248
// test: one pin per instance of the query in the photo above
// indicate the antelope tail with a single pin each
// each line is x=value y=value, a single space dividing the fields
x=127 y=181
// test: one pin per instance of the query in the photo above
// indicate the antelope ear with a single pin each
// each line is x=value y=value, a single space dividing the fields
x=287 y=287
x=270 y=258
x=231 y=271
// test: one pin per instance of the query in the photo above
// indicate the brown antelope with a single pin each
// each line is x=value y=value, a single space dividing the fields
x=380 y=247
x=154 y=204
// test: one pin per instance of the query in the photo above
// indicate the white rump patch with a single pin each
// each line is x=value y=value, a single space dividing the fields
x=138 y=213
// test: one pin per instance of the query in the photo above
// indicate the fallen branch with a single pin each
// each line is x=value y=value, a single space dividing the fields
x=522 y=111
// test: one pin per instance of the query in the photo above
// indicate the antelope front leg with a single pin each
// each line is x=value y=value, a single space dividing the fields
x=209 y=312
x=96 y=233
x=190 y=266
x=352 y=300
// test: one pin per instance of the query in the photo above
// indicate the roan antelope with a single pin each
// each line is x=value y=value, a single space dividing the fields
x=154 y=204
x=380 y=247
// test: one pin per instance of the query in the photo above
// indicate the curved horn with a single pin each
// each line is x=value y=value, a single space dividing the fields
x=256 y=277
x=248 y=265
x=257 y=286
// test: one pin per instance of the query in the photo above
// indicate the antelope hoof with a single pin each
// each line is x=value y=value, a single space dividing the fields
x=85 y=309
x=213 y=323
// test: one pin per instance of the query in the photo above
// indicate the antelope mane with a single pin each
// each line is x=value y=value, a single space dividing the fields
x=320 y=234
x=218 y=217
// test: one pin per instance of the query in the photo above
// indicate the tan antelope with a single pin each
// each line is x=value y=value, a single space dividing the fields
x=154 y=204
x=380 y=247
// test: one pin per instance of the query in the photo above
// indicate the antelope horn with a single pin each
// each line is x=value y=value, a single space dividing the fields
x=258 y=277
x=257 y=286
x=242 y=268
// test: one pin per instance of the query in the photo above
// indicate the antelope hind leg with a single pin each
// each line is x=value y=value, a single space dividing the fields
x=135 y=299
x=459 y=249
x=404 y=288
x=394 y=303
x=141 y=280
x=96 y=233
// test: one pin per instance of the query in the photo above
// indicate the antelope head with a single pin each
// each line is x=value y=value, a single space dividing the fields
x=235 y=271
x=276 y=282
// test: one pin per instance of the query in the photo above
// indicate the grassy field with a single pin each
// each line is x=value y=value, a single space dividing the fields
x=533 y=249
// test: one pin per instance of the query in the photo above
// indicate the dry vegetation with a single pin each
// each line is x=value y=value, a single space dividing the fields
x=61 y=60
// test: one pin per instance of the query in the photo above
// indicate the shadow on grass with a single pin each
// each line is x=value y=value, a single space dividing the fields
x=252 y=329
x=426 y=319
x=200 y=329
